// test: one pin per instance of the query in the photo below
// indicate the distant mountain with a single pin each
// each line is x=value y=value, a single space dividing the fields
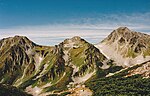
x=128 y=47
x=74 y=67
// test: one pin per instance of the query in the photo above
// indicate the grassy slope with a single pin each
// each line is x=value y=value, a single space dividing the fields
x=118 y=85
x=61 y=85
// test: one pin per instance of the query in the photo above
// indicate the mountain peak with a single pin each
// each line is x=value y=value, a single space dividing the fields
x=75 y=39
x=126 y=43
x=122 y=30
x=16 y=40
x=21 y=40
x=17 y=37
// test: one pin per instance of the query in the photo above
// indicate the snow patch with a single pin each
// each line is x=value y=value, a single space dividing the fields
x=2 y=80
x=78 y=80
x=66 y=57
x=99 y=46
x=30 y=52
x=38 y=60
x=75 y=69
x=35 y=91
x=43 y=71
x=46 y=85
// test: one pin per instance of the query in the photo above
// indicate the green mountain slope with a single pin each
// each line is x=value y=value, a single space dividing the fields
x=41 y=69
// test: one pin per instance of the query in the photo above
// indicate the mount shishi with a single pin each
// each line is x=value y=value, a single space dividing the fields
x=118 y=65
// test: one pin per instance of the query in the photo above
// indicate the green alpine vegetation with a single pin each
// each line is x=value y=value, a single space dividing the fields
x=120 y=84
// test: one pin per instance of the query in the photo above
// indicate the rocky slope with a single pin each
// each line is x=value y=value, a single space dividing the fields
x=128 y=47
x=42 y=69
x=142 y=69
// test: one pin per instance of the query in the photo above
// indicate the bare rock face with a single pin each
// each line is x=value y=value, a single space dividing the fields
x=134 y=42
x=126 y=47
x=143 y=70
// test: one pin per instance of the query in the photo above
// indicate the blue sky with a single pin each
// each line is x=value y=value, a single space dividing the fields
x=74 y=17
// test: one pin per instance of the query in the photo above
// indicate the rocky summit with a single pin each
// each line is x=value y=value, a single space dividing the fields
x=128 y=47
x=75 y=67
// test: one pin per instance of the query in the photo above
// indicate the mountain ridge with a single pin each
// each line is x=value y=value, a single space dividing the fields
x=46 y=70
x=27 y=64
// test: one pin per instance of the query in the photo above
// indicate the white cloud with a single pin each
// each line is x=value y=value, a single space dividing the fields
x=92 y=29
